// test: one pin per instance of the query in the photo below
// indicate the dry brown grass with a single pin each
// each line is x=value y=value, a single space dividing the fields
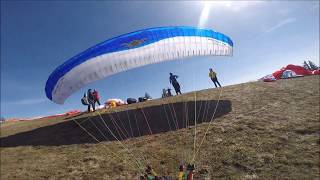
x=272 y=132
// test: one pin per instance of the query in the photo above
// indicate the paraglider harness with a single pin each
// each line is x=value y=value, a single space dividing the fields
x=145 y=98
x=166 y=92
x=190 y=169
x=186 y=175
x=150 y=174
x=84 y=100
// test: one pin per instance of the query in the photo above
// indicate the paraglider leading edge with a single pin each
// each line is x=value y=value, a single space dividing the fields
x=127 y=49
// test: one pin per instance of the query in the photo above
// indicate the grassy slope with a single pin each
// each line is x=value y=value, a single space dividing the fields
x=272 y=132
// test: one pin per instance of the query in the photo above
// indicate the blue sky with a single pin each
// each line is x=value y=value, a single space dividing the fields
x=36 y=37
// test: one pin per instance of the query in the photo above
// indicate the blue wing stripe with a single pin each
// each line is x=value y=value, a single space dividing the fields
x=122 y=43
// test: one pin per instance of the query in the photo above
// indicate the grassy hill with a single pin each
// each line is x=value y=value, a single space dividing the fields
x=259 y=131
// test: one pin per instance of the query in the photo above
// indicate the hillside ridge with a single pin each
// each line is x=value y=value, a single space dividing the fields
x=271 y=130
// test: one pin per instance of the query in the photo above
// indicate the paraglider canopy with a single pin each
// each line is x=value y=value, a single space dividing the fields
x=133 y=50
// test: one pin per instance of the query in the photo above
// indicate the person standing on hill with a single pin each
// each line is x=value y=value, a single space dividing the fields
x=175 y=84
x=96 y=97
x=213 y=76
x=91 y=100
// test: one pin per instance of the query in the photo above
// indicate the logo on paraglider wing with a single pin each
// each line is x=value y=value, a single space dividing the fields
x=134 y=43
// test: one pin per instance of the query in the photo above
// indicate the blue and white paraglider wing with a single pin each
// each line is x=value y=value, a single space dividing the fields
x=133 y=50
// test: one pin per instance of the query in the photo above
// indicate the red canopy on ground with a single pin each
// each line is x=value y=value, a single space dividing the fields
x=299 y=70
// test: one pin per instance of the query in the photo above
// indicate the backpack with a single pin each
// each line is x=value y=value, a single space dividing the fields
x=84 y=101
x=131 y=100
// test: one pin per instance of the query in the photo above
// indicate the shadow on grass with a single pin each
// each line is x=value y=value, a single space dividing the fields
x=121 y=125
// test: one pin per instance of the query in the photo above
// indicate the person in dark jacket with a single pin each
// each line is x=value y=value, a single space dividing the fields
x=175 y=84
x=91 y=100
x=213 y=76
